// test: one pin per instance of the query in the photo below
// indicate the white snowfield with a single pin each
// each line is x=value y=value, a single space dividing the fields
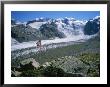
x=36 y=24
x=46 y=42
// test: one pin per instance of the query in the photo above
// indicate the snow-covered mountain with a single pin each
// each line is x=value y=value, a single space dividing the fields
x=92 y=26
x=70 y=26
x=47 y=28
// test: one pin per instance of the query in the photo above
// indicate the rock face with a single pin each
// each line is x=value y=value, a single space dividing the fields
x=51 y=31
x=29 y=64
x=24 y=33
x=92 y=26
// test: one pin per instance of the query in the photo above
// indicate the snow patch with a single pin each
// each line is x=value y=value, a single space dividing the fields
x=36 y=24
x=97 y=17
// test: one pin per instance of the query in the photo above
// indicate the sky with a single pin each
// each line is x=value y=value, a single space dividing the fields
x=24 y=16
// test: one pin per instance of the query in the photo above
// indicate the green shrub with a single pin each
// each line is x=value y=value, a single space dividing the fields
x=51 y=71
x=93 y=60
x=30 y=73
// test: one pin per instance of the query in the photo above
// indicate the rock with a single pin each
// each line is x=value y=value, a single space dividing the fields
x=59 y=59
x=29 y=63
x=15 y=73
x=46 y=64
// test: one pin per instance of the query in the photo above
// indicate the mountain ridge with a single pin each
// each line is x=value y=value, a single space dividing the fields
x=47 y=28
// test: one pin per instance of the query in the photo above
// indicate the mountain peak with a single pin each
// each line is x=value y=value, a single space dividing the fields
x=97 y=17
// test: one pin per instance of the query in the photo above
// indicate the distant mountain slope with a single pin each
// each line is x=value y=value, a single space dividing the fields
x=50 y=30
x=23 y=34
x=92 y=26
x=70 y=27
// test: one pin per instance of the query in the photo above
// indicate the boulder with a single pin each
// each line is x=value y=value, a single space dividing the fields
x=15 y=73
x=46 y=64
x=29 y=63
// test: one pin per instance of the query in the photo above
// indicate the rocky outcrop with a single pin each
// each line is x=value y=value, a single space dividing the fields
x=73 y=65
x=15 y=73
x=29 y=64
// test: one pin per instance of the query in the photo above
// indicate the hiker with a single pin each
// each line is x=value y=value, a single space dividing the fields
x=38 y=43
x=40 y=46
